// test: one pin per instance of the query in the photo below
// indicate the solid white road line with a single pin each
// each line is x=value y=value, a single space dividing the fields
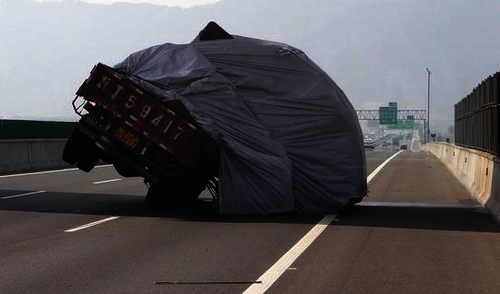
x=284 y=263
x=79 y=228
x=107 y=181
x=49 y=172
x=22 y=195
x=273 y=273
x=380 y=167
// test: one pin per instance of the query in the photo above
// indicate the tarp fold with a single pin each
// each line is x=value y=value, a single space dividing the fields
x=289 y=137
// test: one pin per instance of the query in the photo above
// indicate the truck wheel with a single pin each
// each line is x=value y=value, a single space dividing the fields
x=124 y=171
x=73 y=146
x=162 y=197
x=153 y=197
x=88 y=157
x=193 y=191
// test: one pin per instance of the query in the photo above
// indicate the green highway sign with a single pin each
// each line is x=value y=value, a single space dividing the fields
x=388 y=115
x=402 y=125
x=393 y=104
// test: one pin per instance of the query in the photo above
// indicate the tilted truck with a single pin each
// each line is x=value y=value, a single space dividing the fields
x=141 y=135
x=255 y=121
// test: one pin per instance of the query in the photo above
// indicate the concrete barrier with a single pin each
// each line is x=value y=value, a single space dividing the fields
x=31 y=154
x=478 y=171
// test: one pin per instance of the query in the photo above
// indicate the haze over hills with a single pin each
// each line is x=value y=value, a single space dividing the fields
x=375 y=50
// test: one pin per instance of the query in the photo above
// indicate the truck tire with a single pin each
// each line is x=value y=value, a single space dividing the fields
x=124 y=170
x=73 y=146
x=160 y=196
x=194 y=189
x=88 y=156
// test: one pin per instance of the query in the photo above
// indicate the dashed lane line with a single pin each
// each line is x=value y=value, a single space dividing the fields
x=89 y=225
x=23 y=195
x=107 y=181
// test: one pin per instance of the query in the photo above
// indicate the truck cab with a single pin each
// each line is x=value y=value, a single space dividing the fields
x=142 y=136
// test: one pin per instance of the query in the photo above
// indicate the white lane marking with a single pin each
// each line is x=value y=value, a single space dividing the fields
x=107 y=181
x=284 y=263
x=49 y=172
x=86 y=226
x=24 y=194
x=420 y=205
x=380 y=167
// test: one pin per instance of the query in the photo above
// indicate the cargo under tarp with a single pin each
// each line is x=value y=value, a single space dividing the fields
x=289 y=137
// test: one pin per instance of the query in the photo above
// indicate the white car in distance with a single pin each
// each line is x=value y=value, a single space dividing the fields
x=369 y=143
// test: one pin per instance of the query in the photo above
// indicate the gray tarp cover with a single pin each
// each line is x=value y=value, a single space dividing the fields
x=290 y=139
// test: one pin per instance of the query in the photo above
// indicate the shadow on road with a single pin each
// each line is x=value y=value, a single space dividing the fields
x=423 y=218
x=389 y=216
x=130 y=205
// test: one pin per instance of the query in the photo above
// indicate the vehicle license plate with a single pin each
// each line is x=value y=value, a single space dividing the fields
x=126 y=137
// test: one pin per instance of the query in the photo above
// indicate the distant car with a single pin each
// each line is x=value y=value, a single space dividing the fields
x=369 y=143
x=403 y=147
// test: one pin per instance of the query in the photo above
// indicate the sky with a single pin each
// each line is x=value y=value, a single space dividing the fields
x=377 y=51
x=181 y=3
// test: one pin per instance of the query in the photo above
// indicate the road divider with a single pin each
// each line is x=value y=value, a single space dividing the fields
x=31 y=154
x=49 y=172
x=478 y=171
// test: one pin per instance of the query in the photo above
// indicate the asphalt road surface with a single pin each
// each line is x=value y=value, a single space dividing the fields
x=419 y=231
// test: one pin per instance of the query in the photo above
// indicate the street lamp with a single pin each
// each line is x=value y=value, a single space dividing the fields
x=428 y=104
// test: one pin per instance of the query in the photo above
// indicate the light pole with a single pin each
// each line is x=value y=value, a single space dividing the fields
x=428 y=105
